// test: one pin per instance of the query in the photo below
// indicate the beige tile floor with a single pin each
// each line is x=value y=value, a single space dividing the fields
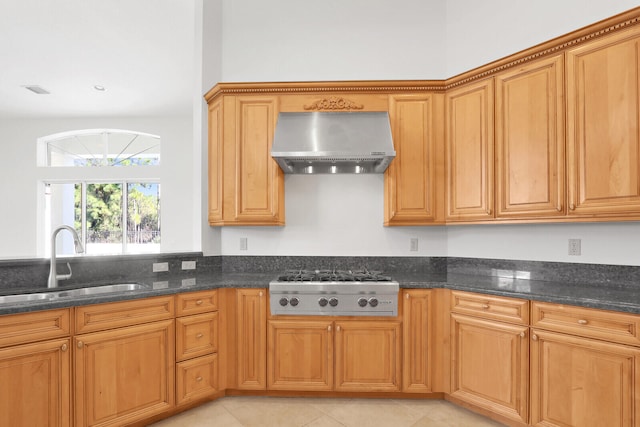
x=323 y=412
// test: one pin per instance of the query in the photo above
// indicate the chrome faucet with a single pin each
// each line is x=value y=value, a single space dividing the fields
x=53 y=276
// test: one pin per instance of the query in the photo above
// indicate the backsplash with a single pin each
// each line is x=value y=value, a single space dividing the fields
x=33 y=273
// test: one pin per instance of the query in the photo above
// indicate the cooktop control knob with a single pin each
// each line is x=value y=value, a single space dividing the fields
x=294 y=301
x=333 y=302
x=362 y=302
x=284 y=301
x=373 y=302
x=322 y=302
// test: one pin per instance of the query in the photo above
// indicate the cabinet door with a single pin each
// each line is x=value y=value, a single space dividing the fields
x=530 y=140
x=124 y=375
x=603 y=112
x=581 y=382
x=252 y=339
x=490 y=365
x=469 y=151
x=259 y=198
x=300 y=355
x=35 y=384
x=216 y=164
x=411 y=178
x=368 y=356
x=416 y=328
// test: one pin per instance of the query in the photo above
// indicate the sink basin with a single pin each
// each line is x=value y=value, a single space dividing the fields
x=11 y=299
x=70 y=293
x=96 y=290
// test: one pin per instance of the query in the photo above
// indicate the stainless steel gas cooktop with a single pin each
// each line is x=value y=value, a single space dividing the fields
x=334 y=293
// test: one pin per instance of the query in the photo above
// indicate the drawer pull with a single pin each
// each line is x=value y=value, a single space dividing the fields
x=199 y=302
x=64 y=347
x=486 y=306
x=80 y=344
x=534 y=337
x=199 y=335
x=582 y=322
x=198 y=379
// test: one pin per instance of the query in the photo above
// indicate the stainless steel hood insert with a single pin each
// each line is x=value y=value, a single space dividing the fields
x=333 y=142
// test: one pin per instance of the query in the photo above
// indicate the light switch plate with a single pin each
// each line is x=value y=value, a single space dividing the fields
x=188 y=265
x=160 y=266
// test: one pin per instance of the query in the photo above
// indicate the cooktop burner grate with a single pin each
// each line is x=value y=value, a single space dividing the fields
x=363 y=275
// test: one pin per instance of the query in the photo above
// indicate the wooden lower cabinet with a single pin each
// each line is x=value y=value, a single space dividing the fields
x=417 y=340
x=582 y=382
x=490 y=365
x=251 y=338
x=347 y=355
x=300 y=355
x=124 y=375
x=35 y=384
x=196 y=378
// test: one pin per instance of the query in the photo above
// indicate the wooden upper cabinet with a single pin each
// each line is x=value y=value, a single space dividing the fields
x=412 y=183
x=603 y=113
x=246 y=186
x=530 y=140
x=469 y=151
x=259 y=179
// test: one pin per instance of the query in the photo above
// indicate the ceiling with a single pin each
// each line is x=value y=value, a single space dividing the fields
x=141 y=51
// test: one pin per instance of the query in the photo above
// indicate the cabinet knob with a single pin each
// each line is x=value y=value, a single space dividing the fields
x=329 y=328
x=198 y=379
x=534 y=337
x=572 y=207
x=523 y=334
x=488 y=211
x=64 y=347
x=261 y=293
x=406 y=295
x=199 y=302
x=80 y=344
x=559 y=208
x=582 y=322
x=199 y=336
x=485 y=306
x=338 y=328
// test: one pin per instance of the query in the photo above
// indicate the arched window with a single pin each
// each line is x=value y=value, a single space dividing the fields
x=105 y=184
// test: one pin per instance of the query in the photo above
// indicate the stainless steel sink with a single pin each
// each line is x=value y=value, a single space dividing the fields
x=96 y=290
x=70 y=293
x=12 y=299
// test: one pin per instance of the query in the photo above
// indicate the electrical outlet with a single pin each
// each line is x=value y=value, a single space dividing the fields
x=189 y=282
x=160 y=266
x=160 y=285
x=188 y=265
x=413 y=247
x=575 y=247
x=243 y=243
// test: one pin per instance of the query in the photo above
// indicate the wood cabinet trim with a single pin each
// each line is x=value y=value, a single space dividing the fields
x=91 y=318
x=37 y=326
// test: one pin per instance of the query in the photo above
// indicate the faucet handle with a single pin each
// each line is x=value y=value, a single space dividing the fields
x=65 y=276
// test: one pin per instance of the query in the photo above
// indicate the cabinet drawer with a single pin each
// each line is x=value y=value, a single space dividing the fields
x=196 y=378
x=505 y=309
x=196 y=335
x=586 y=322
x=99 y=317
x=196 y=302
x=31 y=327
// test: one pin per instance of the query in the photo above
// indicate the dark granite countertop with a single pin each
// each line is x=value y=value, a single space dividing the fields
x=622 y=297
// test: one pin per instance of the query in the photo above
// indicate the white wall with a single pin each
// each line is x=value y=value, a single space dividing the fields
x=290 y=40
x=19 y=176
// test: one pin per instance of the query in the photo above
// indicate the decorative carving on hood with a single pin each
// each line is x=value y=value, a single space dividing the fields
x=334 y=103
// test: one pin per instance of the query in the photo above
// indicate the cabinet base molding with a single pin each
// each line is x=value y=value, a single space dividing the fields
x=484 y=412
x=346 y=395
x=177 y=410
